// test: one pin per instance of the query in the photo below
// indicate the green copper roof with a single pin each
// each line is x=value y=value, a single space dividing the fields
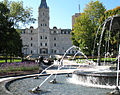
x=43 y=4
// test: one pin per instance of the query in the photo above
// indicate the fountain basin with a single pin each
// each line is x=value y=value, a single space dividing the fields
x=105 y=78
x=62 y=87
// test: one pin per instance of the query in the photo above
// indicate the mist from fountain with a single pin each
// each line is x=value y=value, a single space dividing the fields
x=61 y=61
x=92 y=76
x=61 y=65
x=103 y=29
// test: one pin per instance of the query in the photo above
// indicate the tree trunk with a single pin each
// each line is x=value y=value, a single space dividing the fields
x=10 y=59
x=5 y=57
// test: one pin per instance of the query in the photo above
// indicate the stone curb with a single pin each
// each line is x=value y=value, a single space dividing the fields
x=5 y=83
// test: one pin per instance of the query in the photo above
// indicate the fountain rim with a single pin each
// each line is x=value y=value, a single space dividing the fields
x=96 y=73
x=5 y=84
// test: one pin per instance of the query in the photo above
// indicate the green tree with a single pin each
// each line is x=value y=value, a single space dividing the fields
x=86 y=25
x=109 y=13
x=83 y=33
x=114 y=33
x=95 y=10
x=18 y=14
x=9 y=38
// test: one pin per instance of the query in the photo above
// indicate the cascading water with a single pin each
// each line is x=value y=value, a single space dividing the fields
x=103 y=78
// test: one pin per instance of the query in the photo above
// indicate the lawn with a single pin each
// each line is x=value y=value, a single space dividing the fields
x=15 y=60
x=95 y=60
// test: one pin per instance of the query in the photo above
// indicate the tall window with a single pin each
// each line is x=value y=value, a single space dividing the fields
x=31 y=38
x=45 y=44
x=31 y=51
x=54 y=38
x=31 y=31
x=45 y=37
x=55 y=45
x=41 y=44
x=40 y=37
x=31 y=44
x=55 y=51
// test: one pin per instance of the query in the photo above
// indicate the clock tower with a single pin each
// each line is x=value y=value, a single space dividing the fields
x=43 y=29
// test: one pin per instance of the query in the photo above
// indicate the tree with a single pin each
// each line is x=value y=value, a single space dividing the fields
x=109 y=13
x=114 y=32
x=9 y=37
x=95 y=10
x=18 y=14
x=86 y=25
x=83 y=33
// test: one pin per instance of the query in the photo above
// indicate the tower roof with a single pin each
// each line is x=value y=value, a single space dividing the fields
x=43 y=4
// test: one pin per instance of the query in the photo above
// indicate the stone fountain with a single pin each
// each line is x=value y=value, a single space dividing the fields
x=103 y=78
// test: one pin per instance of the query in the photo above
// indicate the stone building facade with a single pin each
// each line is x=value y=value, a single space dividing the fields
x=44 y=41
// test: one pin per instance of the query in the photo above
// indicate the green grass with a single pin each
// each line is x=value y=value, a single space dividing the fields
x=102 y=59
x=15 y=60
x=106 y=59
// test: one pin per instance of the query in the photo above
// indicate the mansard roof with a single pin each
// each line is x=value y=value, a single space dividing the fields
x=43 y=4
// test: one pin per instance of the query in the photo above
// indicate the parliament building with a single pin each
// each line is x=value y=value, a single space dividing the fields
x=44 y=41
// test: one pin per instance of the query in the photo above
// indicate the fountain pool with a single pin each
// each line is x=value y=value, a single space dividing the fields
x=62 y=87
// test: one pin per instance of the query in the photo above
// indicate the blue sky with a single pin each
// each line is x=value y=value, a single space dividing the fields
x=61 y=11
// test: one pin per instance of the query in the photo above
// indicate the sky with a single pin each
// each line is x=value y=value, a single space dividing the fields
x=61 y=11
